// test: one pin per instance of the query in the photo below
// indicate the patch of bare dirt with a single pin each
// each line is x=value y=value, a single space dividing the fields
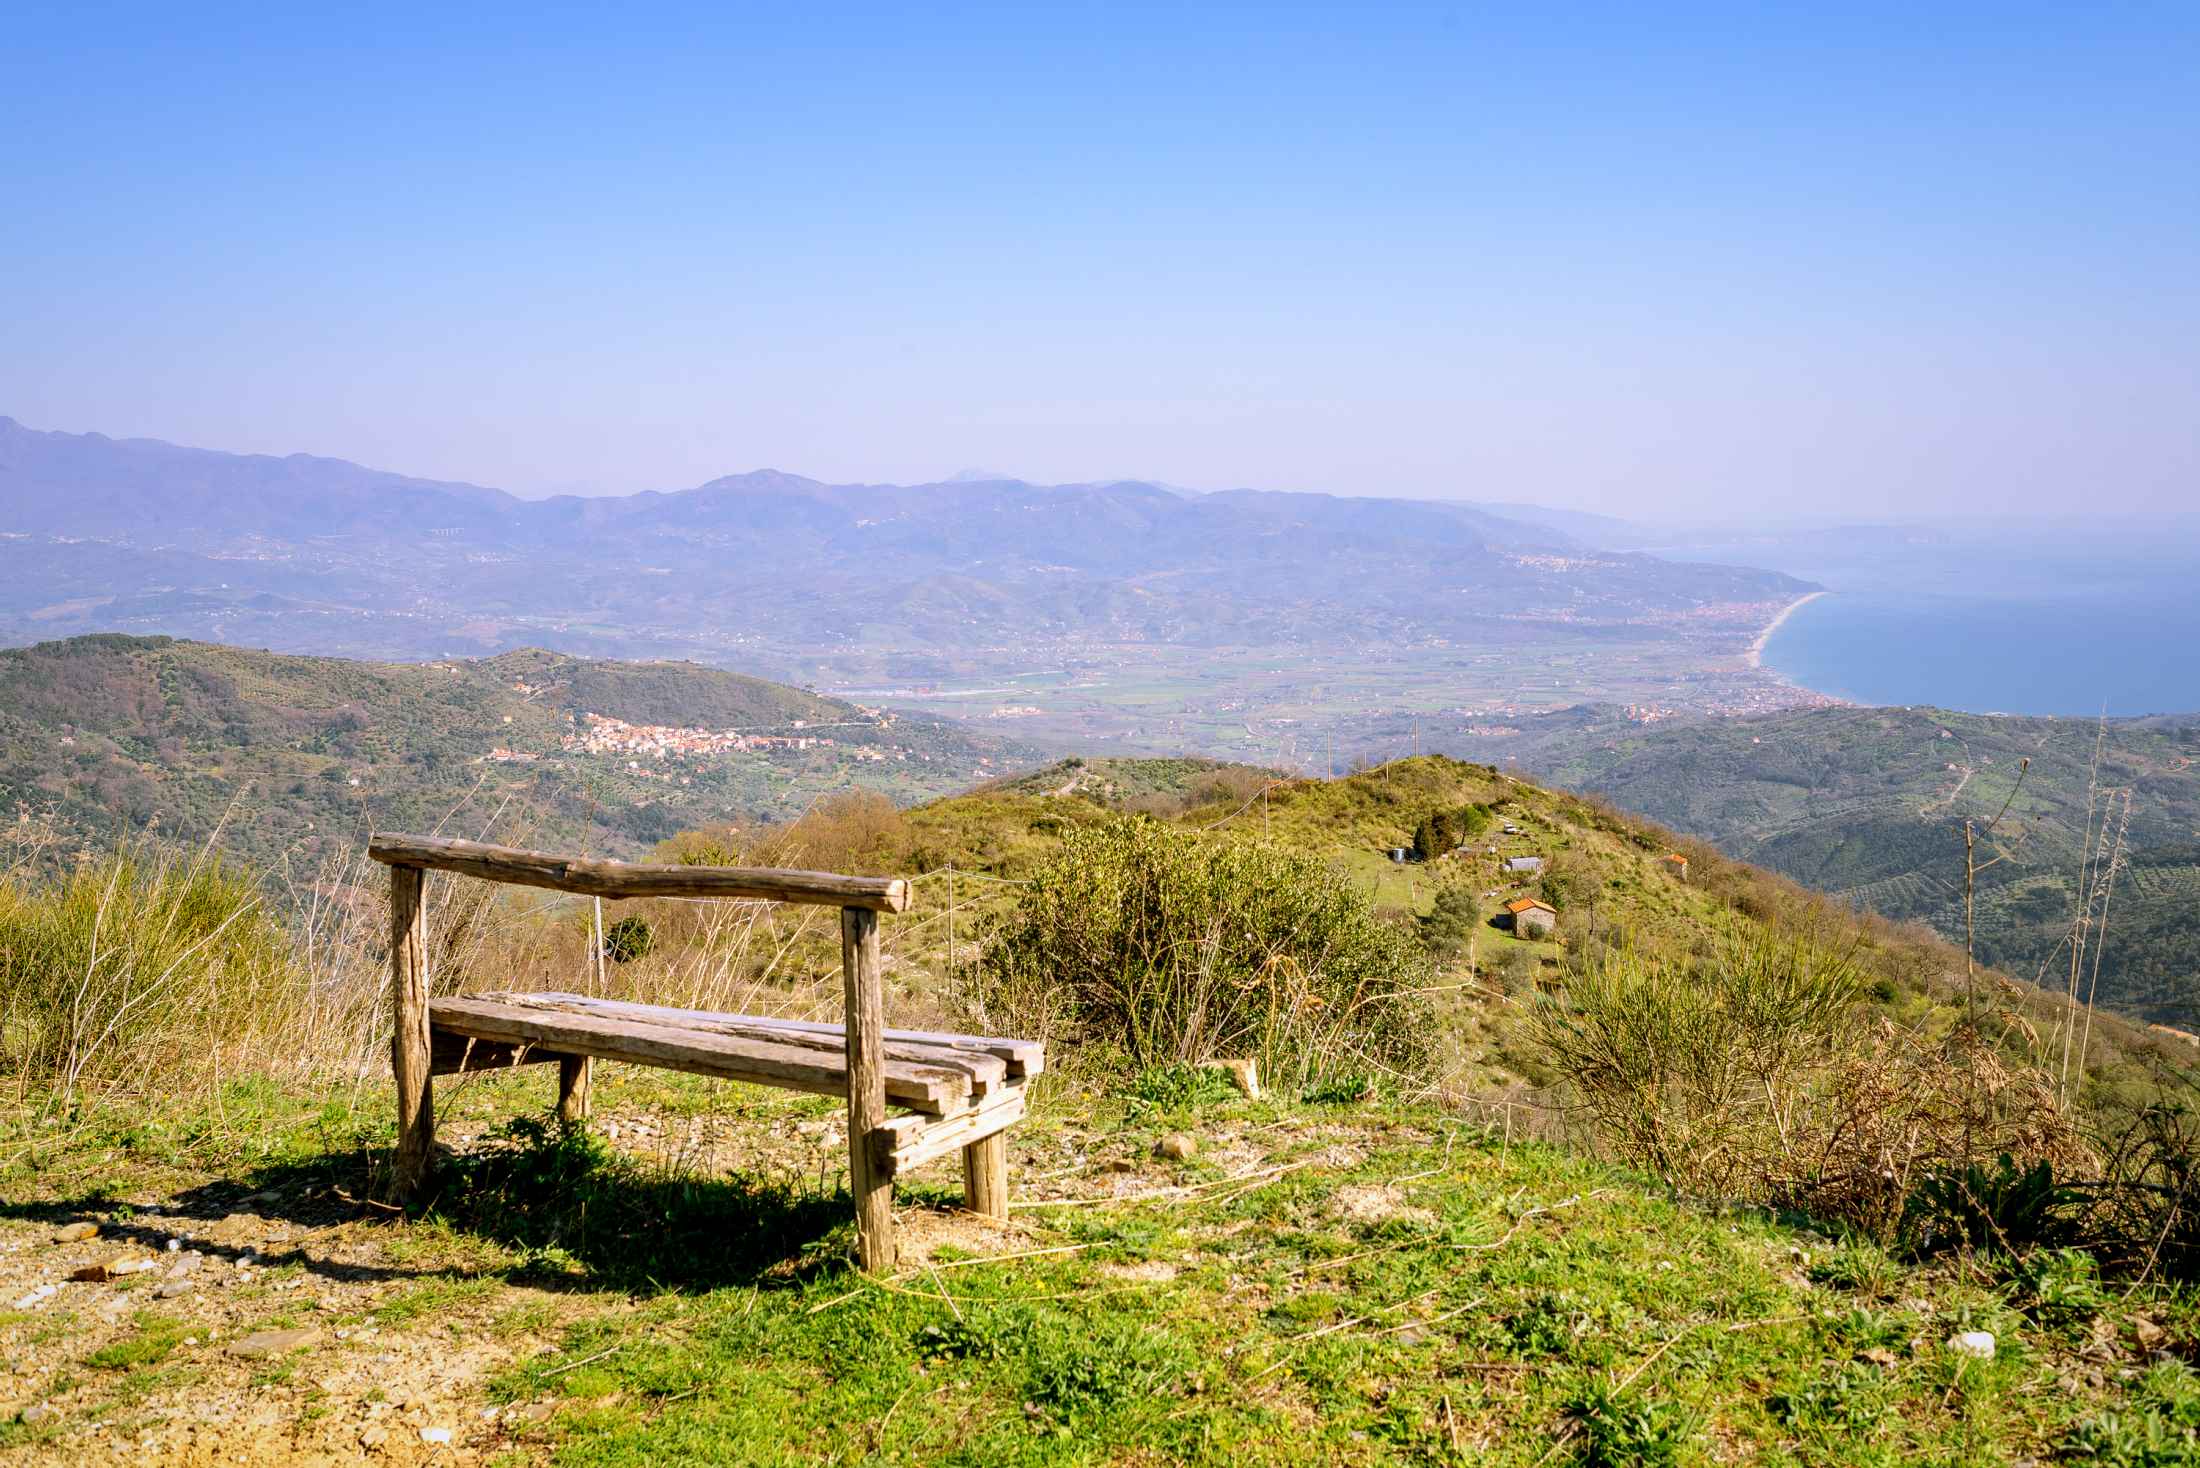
x=251 y=1336
x=1377 y=1205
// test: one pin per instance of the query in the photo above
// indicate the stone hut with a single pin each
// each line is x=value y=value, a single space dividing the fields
x=1532 y=917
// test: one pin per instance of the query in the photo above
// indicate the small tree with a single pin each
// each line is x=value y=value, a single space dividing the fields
x=1432 y=838
x=1441 y=832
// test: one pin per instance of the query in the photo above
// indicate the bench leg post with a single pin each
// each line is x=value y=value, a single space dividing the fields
x=574 y=1074
x=985 y=1177
x=872 y=1185
x=409 y=1057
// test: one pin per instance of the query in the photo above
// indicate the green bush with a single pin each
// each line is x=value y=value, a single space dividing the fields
x=1181 y=1087
x=1451 y=922
x=628 y=939
x=2005 y=1209
x=1747 y=1074
x=1174 y=948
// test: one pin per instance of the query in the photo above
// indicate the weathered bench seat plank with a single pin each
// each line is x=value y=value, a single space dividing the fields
x=1023 y=1057
x=933 y=1088
x=985 y=1070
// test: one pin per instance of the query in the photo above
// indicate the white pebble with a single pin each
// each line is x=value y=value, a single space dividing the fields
x=1977 y=1344
x=435 y=1435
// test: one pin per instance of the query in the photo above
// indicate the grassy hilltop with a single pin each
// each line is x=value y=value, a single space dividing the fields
x=1436 y=1246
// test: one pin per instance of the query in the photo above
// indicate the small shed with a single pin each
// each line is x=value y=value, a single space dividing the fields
x=1675 y=863
x=1528 y=865
x=1531 y=917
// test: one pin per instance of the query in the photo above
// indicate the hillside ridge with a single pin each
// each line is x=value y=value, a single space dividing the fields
x=1867 y=804
x=292 y=756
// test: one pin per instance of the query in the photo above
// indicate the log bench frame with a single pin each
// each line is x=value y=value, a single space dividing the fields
x=964 y=1091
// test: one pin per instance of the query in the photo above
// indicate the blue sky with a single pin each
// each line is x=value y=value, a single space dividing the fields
x=1682 y=259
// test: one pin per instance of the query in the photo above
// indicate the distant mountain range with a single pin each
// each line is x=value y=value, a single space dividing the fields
x=1868 y=804
x=314 y=554
x=293 y=759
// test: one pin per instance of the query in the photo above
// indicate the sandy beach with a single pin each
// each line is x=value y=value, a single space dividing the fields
x=1756 y=655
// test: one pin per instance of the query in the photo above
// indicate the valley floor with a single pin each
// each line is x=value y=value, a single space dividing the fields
x=1337 y=1283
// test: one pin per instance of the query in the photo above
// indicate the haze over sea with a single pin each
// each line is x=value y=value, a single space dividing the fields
x=2065 y=620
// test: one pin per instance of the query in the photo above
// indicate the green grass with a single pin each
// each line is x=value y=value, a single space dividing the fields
x=1513 y=1299
x=1347 y=1281
x=156 y=1336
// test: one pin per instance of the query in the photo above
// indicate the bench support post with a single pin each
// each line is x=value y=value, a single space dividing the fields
x=985 y=1177
x=409 y=1051
x=872 y=1185
x=573 y=1078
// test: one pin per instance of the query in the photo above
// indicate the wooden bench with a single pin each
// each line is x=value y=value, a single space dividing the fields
x=954 y=1091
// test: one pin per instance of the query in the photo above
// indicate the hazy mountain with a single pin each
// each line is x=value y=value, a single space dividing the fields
x=151 y=493
x=321 y=555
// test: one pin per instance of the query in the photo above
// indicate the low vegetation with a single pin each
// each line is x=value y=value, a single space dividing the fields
x=1867 y=804
x=1755 y=1075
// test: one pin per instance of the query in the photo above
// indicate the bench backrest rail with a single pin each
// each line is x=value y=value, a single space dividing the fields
x=593 y=878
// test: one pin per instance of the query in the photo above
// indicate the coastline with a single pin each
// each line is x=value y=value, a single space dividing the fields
x=1756 y=655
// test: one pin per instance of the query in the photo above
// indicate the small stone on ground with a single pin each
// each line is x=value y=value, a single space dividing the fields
x=271 y=1342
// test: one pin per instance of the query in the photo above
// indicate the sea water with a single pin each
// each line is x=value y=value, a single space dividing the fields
x=2034 y=621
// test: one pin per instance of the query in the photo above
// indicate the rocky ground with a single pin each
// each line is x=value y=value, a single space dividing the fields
x=194 y=1320
x=216 y=1325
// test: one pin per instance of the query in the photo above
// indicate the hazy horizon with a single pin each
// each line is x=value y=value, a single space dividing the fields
x=1669 y=266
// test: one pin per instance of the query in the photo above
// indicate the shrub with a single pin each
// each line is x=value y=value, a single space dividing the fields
x=134 y=957
x=2005 y=1209
x=2143 y=1213
x=1675 y=1065
x=1517 y=968
x=1748 y=1076
x=627 y=939
x=1176 y=948
x=1451 y=921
